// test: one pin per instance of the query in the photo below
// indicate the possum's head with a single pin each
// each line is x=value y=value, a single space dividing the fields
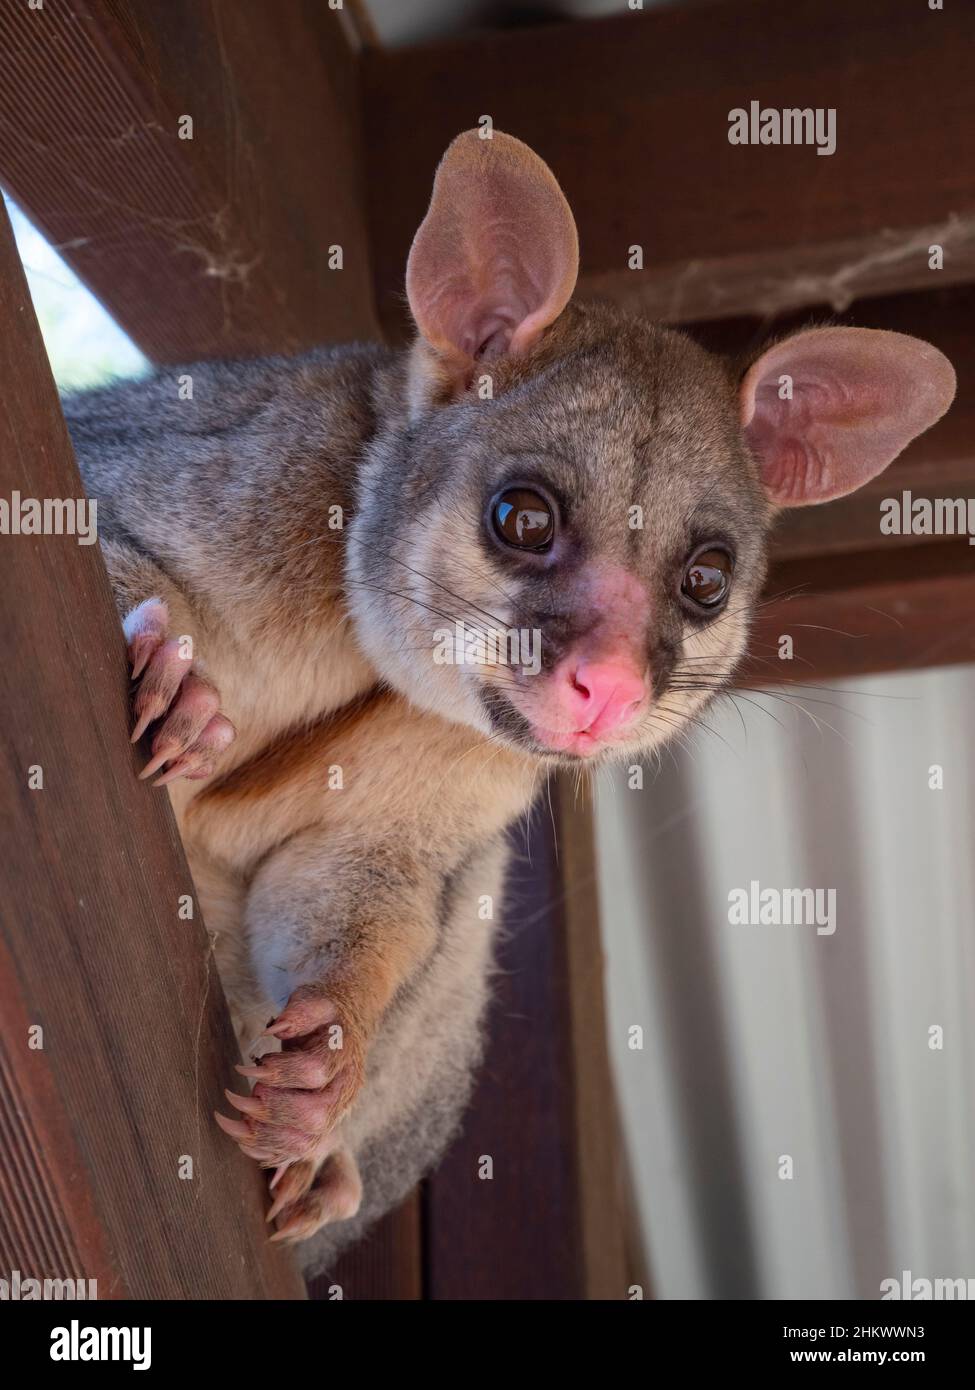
x=563 y=542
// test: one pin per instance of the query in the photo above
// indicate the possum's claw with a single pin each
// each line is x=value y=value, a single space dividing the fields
x=234 y=1128
x=279 y=1173
x=250 y=1105
x=145 y=631
x=302 y=1091
x=307 y=1009
x=305 y=1202
x=193 y=732
x=293 y=1182
x=197 y=760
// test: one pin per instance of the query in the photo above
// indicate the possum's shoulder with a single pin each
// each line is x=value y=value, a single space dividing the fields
x=222 y=399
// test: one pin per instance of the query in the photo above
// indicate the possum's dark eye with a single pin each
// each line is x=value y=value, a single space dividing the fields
x=707 y=578
x=524 y=518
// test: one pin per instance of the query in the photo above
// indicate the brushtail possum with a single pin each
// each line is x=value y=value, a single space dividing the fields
x=289 y=548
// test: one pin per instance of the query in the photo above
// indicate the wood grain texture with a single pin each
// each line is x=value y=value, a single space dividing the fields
x=137 y=1045
x=893 y=609
x=631 y=113
x=604 y=1197
x=213 y=246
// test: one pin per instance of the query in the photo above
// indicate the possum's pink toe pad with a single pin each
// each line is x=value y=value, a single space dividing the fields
x=192 y=732
x=302 y=1091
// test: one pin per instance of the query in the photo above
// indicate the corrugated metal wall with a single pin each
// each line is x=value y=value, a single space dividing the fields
x=762 y=1041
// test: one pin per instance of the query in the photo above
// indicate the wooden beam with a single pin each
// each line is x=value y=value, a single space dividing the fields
x=887 y=609
x=632 y=114
x=604 y=1214
x=216 y=245
x=104 y=1109
x=548 y=1223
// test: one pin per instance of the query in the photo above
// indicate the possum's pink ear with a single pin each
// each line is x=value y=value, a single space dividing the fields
x=827 y=410
x=496 y=257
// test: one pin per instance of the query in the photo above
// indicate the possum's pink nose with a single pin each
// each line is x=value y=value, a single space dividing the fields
x=598 y=697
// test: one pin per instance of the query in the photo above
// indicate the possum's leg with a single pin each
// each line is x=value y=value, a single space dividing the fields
x=335 y=927
x=159 y=634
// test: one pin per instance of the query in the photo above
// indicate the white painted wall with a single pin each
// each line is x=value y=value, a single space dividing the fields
x=769 y=1040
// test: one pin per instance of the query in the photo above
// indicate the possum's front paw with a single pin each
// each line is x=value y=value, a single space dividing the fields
x=303 y=1090
x=193 y=732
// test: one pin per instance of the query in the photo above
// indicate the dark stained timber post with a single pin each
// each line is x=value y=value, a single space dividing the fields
x=115 y=1042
